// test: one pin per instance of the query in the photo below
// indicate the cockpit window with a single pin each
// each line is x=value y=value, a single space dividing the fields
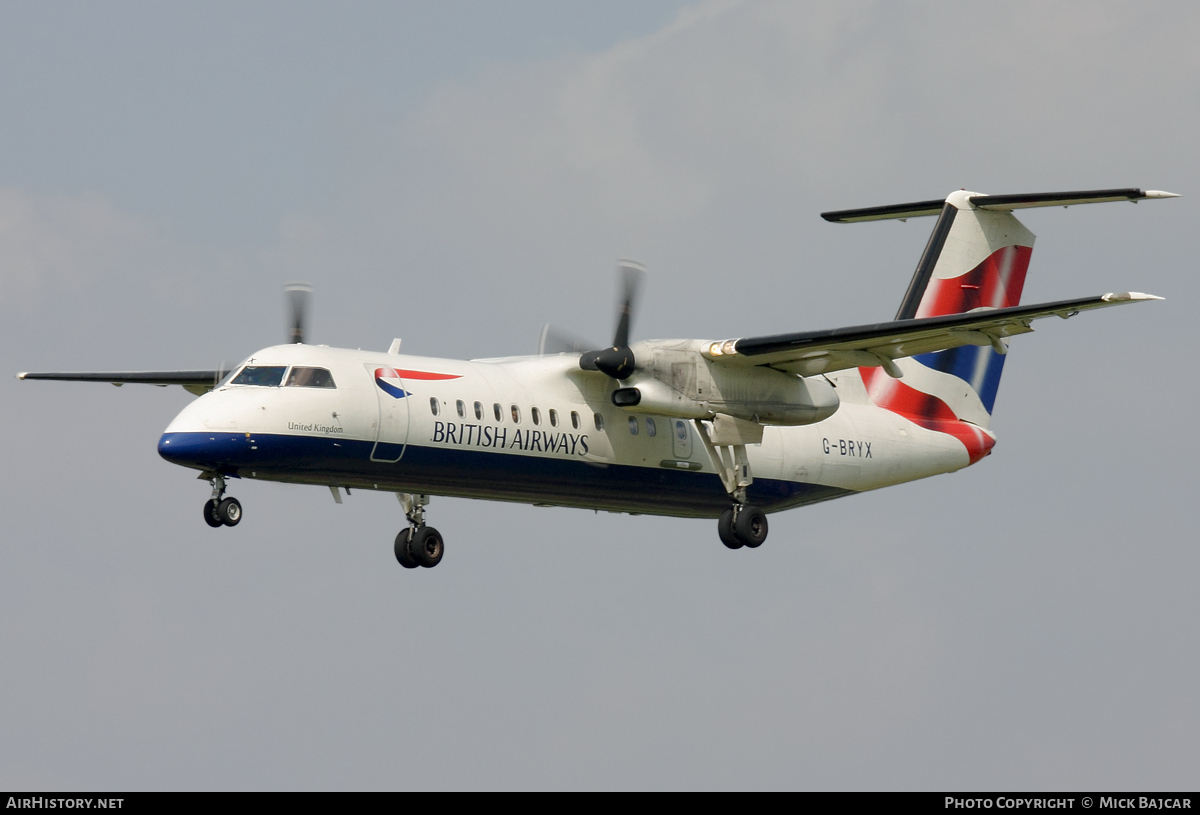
x=266 y=375
x=228 y=376
x=301 y=377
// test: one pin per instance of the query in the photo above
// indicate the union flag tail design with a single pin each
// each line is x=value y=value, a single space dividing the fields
x=980 y=263
x=975 y=259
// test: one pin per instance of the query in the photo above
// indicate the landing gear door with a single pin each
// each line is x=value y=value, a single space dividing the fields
x=391 y=430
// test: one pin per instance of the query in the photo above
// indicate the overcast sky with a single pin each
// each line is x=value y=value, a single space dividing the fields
x=458 y=173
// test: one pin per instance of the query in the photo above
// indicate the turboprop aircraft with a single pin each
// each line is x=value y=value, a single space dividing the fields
x=728 y=429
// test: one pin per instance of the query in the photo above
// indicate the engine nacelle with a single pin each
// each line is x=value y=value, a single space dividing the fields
x=684 y=385
x=652 y=396
x=767 y=396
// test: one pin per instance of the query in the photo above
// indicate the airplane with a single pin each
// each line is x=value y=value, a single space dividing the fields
x=729 y=429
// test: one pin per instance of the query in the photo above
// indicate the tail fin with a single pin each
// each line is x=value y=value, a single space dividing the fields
x=976 y=258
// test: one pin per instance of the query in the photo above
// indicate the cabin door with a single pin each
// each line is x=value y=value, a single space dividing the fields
x=391 y=429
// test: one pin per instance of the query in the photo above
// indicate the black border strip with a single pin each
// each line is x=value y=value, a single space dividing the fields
x=916 y=210
x=1051 y=198
x=933 y=250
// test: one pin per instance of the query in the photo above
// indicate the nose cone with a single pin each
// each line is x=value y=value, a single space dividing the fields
x=202 y=436
x=199 y=450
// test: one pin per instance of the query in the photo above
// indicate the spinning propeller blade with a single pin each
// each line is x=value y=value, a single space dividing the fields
x=555 y=340
x=298 y=297
x=618 y=361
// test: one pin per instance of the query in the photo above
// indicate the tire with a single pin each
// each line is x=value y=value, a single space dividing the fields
x=210 y=513
x=403 y=555
x=427 y=547
x=751 y=526
x=725 y=530
x=229 y=511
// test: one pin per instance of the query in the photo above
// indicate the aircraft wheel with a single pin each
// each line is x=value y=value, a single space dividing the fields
x=427 y=546
x=725 y=530
x=210 y=513
x=403 y=555
x=751 y=526
x=229 y=511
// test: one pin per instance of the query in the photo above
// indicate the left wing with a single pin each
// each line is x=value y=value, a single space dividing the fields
x=197 y=382
x=809 y=353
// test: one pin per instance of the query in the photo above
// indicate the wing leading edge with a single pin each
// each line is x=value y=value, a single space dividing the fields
x=810 y=353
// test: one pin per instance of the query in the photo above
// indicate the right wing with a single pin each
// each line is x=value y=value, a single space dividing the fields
x=810 y=353
x=197 y=382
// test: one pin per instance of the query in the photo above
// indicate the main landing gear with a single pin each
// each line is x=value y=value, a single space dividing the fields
x=418 y=545
x=219 y=510
x=742 y=524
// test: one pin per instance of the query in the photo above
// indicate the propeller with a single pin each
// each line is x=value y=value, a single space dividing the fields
x=618 y=361
x=555 y=340
x=297 y=297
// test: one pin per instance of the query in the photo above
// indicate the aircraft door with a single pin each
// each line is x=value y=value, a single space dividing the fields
x=391 y=430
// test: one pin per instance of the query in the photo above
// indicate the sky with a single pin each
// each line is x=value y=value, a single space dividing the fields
x=459 y=173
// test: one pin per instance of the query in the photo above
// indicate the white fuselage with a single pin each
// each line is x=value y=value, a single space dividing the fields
x=530 y=429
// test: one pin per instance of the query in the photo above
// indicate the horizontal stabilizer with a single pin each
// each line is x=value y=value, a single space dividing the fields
x=995 y=203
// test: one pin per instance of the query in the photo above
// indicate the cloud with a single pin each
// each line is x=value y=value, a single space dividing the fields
x=60 y=243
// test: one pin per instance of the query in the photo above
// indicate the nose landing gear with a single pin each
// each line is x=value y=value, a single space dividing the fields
x=219 y=510
x=418 y=545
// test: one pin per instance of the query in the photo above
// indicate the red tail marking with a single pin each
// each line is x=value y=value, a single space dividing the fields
x=996 y=282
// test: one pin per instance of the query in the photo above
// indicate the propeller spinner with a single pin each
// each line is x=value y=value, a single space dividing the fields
x=618 y=361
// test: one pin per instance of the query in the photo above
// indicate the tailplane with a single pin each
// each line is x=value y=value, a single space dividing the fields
x=976 y=258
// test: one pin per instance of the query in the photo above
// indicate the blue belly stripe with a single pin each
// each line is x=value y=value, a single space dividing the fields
x=477 y=474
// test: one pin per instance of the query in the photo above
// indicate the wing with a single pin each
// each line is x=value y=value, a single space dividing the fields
x=818 y=352
x=198 y=382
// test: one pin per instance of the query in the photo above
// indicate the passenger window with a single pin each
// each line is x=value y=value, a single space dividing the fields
x=462 y=409
x=433 y=405
x=574 y=420
x=479 y=411
x=302 y=377
x=264 y=375
x=535 y=415
x=599 y=422
x=516 y=414
x=499 y=412
x=633 y=426
x=553 y=417
x=651 y=430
